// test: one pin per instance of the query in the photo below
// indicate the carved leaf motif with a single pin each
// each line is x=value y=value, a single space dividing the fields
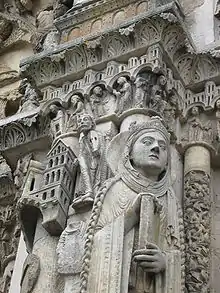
x=173 y=39
x=49 y=70
x=197 y=218
x=148 y=33
x=184 y=65
x=14 y=136
x=77 y=60
x=116 y=46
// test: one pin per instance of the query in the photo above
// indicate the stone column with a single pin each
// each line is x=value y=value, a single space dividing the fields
x=197 y=218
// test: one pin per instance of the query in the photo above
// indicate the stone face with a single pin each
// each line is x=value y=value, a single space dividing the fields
x=109 y=146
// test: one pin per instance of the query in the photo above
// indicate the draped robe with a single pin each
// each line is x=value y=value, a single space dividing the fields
x=111 y=268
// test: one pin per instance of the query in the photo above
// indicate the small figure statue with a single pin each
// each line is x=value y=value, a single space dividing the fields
x=30 y=98
x=92 y=160
x=58 y=120
x=76 y=107
x=44 y=24
x=170 y=113
x=21 y=170
x=195 y=132
x=97 y=101
x=142 y=98
x=123 y=95
x=5 y=171
x=157 y=102
x=207 y=132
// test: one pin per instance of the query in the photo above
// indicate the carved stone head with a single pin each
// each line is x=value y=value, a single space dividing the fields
x=98 y=91
x=195 y=111
x=85 y=123
x=217 y=104
x=121 y=80
x=75 y=99
x=149 y=153
x=54 y=109
x=142 y=156
x=140 y=81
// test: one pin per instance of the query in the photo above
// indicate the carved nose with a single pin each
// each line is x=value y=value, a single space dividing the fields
x=155 y=149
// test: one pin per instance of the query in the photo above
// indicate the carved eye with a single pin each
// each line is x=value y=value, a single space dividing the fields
x=147 y=141
x=162 y=146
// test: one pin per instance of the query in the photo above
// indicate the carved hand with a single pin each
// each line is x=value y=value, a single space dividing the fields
x=151 y=259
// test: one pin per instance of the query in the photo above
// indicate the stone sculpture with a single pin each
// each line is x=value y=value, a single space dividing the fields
x=92 y=159
x=97 y=101
x=195 y=125
x=30 y=98
x=123 y=94
x=76 y=107
x=170 y=113
x=58 y=120
x=124 y=251
x=141 y=98
x=157 y=101
x=21 y=170
x=44 y=23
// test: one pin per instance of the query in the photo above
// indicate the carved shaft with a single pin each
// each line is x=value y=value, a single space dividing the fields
x=197 y=219
x=146 y=234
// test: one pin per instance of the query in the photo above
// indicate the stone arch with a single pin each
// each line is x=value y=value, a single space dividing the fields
x=142 y=7
x=118 y=17
x=96 y=26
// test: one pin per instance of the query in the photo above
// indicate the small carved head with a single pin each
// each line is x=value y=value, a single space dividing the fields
x=195 y=111
x=162 y=80
x=98 y=91
x=85 y=123
x=140 y=81
x=217 y=104
x=53 y=109
x=75 y=99
x=157 y=92
x=121 y=80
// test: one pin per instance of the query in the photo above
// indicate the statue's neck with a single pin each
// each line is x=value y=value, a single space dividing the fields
x=150 y=177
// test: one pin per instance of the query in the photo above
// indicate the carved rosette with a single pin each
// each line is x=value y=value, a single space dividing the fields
x=197 y=220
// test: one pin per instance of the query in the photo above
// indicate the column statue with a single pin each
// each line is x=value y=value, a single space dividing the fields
x=134 y=237
x=92 y=160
